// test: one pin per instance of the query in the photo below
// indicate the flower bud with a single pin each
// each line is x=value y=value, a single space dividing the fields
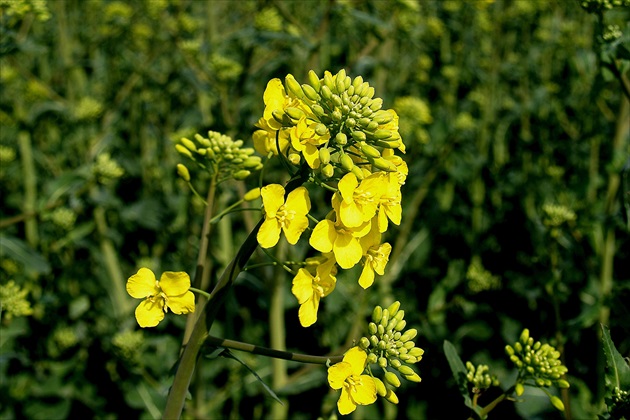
x=313 y=80
x=374 y=340
x=328 y=81
x=341 y=139
x=392 y=379
x=396 y=364
x=364 y=343
x=346 y=162
x=318 y=110
x=336 y=115
x=562 y=383
x=400 y=325
x=414 y=377
x=382 y=134
x=328 y=171
x=326 y=93
x=393 y=308
x=372 y=358
x=182 y=171
x=321 y=129
x=377 y=314
x=382 y=117
x=358 y=173
x=519 y=389
x=372 y=152
x=410 y=334
x=382 y=362
x=383 y=164
x=416 y=352
x=324 y=155
x=182 y=150
x=372 y=328
x=376 y=104
x=340 y=85
x=557 y=402
x=294 y=113
x=391 y=397
x=252 y=162
x=242 y=174
x=188 y=144
x=310 y=93
x=293 y=86
x=524 y=336
x=252 y=194
x=380 y=387
x=294 y=158
x=359 y=135
x=380 y=329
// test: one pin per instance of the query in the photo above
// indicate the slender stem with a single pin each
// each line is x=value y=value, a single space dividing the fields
x=277 y=332
x=268 y=352
x=201 y=292
x=30 y=187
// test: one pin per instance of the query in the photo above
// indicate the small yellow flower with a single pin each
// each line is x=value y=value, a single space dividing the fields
x=356 y=389
x=304 y=139
x=309 y=289
x=359 y=201
x=389 y=203
x=289 y=216
x=171 y=292
x=376 y=256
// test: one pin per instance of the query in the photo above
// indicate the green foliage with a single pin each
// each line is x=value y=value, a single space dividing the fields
x=515 y=122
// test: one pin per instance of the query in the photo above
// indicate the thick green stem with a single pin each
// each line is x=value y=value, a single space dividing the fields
x=30 y=187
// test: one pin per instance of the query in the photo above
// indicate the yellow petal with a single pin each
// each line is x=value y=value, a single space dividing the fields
x=356 y=357
x=298 y=201
x=338 y=373
x=174 y=283
x=302 y=286
x=183 y=304
x=367 y=276
x=323 y=236
x=149 y=314
x=366 y=392
x=269 y=233
x=346 y=187
x=142 y=284
x=294 y=229
x=345 y=405
x=347 y=250
x=308 y=311
x=272 y=198
x=350 y=214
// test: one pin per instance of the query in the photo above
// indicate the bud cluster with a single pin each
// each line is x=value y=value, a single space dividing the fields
x=540 y=362
x=106 y=169
x=220 y=154
x=389 y=345
x=14 y=301
x=596 y=6
x=343 y=128
x=479 y=377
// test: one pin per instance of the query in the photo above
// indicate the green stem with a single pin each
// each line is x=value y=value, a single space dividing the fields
x=488 y=408
x=201 y=292
x=30 y=187
x=269 y=352
x=277 y=333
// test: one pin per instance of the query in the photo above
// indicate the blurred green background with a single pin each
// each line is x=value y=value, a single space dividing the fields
x=515 y=209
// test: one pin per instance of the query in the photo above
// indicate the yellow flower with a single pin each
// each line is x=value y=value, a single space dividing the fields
x=376 y=256
x=309 y=288
x=356 y=389
x=393 y=127
x=359 y=201
x=389 y=203
x=304 y=139
x=290 y=217
x=401 y=165
x=171 y=292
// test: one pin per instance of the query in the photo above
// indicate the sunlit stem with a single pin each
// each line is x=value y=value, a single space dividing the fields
x=201 y=292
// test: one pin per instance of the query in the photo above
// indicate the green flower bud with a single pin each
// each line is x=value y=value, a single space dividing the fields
x=358 y=81
x=278 y=116
x=252 y=194
x=341 y=139
x=557 y=402
x=382 y=134
x=409 y=345
x=518 y=347
x=377 y=314
x=310 y=93
x=294 y=158
x=293 y=86
x=364 y=343
x=328 y=171
x=380 y=387
x=313 y=80
x=336 y=99
x=524 y=336
x=242 y=174
x=562 y=383
x=369 y=93
x=182 y=171
x=294 y=113
x=391 y=325
x=382 y=362
x=372 y=152
x=391 y=397
x=376 y=104
x=519 y=389
x=400 y=325
x=358 y=173
x=336 y=115
x=372 y=126
x=382 y=117
x=188 y=144
x=328 y=80
x=340 y=85
x=400 y=315
x=351 y=122
x=404 y=357
x=396 y=364
x=397 y=335
x=346 y=162
x=359 y=135
x=252 y=162
x=410 y=334
x=392 y=379
x=414 y=377
x=509 y=350
x=321 y=129
x=416 y=352
x=372 y=328
x=393 y=308
x=374 y=340
x=372 y=358
x=184 y=151
x=383 y=164
x=326 y=92
x=318 y=110
x=380 y=329
x=385 y=317
x=203 y=141
x=324 y=155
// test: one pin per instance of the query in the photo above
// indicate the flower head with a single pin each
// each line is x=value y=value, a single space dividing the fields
x=170 y=292
x=356 y=389
x=289 y=216
x=310 y=287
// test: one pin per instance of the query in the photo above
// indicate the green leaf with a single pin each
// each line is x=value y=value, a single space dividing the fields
x=617 y=369
x=459 y=373
x=18 y=250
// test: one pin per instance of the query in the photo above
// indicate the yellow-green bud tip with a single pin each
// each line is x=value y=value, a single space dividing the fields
x=252 y=194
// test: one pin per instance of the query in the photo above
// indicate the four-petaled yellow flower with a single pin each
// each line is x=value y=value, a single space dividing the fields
x=389 y=201
x=171 y=292
x=305 y=140
x=290 y=217
x=309 y=288
x=356 y=389
x=376 y=256
x=359 y=201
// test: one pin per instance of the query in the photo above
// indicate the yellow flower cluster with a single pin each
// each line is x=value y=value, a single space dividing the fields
x=335 y=128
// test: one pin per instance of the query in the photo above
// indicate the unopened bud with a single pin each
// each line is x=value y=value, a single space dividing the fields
x=182 y=171
x=321 y=129
x=326 y=92
x=557 y=402
x=393 y=308
x=294 y=158
x=519 y=389
x=310 y=93
x=400 y=325
x=242 y=174
x=391 y=397
x=328 y=171
x=184 y=151
x=294 y=86
x=370 y=151
x=410 y=334
x=252 y=194
x=377 y=314
x=392 y=379
x=382 y=134
x=382 y=362
x=324 y=155
x=364 y=343
x=346 y=162
x=416 y=352
x=414 y=377
x=188 y=144
x=380 y=387
x=405 y=370
x=294 y=113
x=341 y=139
x=359 y=135
x=313 y=80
